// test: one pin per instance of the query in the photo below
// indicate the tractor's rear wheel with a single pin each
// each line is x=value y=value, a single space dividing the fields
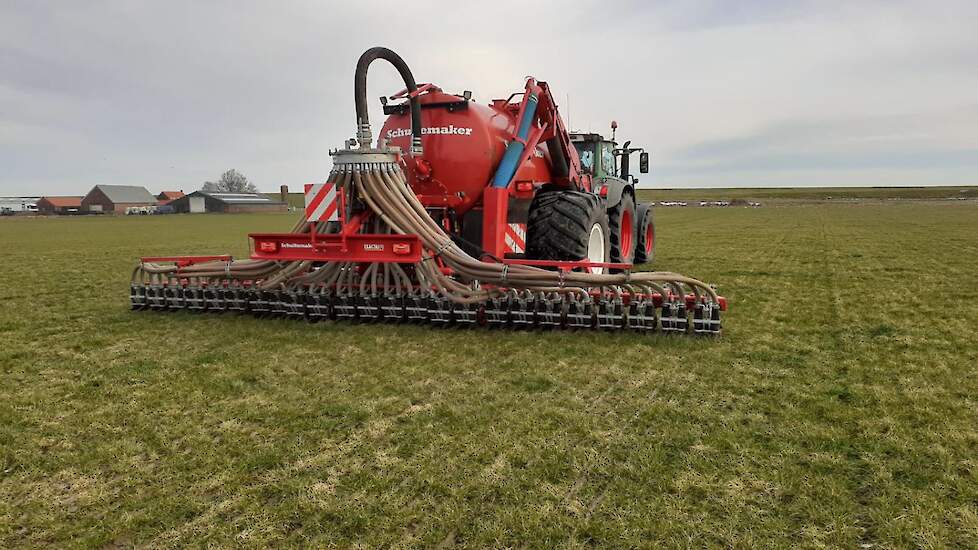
x=621 y=219
x=568 y=225
x=645 y=233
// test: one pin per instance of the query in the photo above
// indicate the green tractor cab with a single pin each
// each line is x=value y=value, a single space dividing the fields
x=630 y=223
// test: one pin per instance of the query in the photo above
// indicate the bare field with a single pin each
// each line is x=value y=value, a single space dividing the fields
x=839 y=409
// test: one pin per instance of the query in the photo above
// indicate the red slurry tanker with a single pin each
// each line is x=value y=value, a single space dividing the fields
x=461 y=213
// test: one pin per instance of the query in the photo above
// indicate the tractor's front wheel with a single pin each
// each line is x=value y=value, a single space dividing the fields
x=621 y=219
x=567 y=226
x=645 y=233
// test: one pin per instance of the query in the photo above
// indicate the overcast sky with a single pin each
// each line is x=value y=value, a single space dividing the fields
x=170 y=94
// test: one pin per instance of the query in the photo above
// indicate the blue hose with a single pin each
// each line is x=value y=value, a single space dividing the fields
x=507 y=167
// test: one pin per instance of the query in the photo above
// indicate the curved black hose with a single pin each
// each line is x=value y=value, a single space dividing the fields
x=360 y=93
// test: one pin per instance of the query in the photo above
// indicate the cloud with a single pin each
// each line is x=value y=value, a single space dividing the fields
x=766 y=93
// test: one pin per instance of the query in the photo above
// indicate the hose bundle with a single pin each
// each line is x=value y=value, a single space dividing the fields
x=385 y=190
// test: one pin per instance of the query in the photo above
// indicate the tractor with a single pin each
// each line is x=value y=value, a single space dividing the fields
x=461 y=214
x=631 y=225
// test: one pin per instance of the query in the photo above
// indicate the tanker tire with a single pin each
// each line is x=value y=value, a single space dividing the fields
x=560 y=224
x=644 y=251
x=618 y=216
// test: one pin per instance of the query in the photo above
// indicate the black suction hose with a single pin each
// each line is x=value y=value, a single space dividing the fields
x=360 y=95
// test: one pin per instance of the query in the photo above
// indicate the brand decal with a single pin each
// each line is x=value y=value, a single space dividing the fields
x=373 y=247
x=450 y=130
x=296 y=245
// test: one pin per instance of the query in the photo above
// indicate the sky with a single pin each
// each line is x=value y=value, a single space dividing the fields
x=771 y=93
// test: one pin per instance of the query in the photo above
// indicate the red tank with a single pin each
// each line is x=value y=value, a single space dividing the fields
x=463 y=143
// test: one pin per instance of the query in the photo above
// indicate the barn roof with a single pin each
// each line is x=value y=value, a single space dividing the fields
x=169 y=195
x=239 y=198
x=126 y=194
x=63 y=202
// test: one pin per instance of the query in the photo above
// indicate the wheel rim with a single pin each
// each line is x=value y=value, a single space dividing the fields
x=625 y=230
x=595 y=247
x=649 y=238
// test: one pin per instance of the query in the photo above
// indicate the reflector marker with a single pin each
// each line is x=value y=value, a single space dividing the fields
x=516 y=237
x=321 y=202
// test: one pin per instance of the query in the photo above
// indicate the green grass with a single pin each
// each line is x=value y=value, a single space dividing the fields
x=778 y=194
x=839 y=409
x=809 y=193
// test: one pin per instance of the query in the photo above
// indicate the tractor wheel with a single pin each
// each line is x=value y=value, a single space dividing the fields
x=568 y=225
x=645 y=233
x=621 y=219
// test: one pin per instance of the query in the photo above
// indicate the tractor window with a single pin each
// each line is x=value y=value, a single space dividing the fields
x=608 y=160
x=586 y=152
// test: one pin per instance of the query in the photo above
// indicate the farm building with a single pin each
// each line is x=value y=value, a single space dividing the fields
x=59 y=205
x=18 y=204
x=116 y=198
x=166 y=196
x=206 y=201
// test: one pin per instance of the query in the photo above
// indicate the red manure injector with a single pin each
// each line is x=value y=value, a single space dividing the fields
x=463 y=214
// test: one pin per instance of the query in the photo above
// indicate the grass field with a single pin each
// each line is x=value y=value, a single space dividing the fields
x=778 y=194
x=839 y=409
x=810 y=193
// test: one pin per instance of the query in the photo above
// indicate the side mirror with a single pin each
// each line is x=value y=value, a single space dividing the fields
x=643 y=162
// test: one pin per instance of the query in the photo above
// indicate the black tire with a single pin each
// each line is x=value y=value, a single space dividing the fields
x=644 y=251
x=560 y=224
x=620 y=216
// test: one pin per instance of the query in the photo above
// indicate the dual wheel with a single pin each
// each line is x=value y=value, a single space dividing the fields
x=571 y=225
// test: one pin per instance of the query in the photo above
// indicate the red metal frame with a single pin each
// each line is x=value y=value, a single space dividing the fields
x=495 y=210
x=184 y=261
x=422 y=88
x=336 y=247
x=553 y=125
x=547 y=125
x=566 y=265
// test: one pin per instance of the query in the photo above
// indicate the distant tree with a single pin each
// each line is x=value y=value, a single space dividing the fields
x=231 y=181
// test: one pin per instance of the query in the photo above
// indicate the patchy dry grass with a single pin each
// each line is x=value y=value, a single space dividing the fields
x=839 y=409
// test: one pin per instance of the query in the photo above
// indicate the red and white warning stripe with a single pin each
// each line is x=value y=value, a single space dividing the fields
x=322 y=202
x=516 y=238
